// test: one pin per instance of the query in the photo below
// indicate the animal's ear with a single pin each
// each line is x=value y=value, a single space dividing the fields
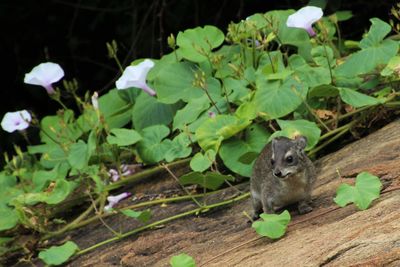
x=301 y=141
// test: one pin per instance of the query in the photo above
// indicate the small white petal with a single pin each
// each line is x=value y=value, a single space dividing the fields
x=304 y=18
x=135 y=76
x=95 y=100
x=18 y=120
x=113 y=200
x=44 y=75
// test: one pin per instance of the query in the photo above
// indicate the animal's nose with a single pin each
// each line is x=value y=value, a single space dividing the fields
x=278 y=173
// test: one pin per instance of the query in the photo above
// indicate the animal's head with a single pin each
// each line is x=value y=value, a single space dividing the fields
x=287 y=155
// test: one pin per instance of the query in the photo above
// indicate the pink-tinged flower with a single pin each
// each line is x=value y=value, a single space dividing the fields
x=95 y=100
x=18 y=120
x=45 y=75
x=125 y=171
x=304 y=18
x=135 y=76
x=211 y=114
x=113 y=200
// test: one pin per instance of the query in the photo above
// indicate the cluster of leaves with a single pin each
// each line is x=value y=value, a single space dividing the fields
x=219 y=98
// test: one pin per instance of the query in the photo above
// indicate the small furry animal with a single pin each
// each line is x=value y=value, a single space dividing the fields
x=282 y=175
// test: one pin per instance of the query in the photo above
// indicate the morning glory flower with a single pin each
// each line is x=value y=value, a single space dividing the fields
x=18 y=120
x=304 y=18
x=135 y=76
x=44 y=75
x=113 y=200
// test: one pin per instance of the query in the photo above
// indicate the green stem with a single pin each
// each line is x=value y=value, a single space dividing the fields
x=144 y=174
x=330 y=133
x=160 y=222
x=315 y=150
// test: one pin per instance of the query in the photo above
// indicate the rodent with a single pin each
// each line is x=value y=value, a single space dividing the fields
x=282 y=175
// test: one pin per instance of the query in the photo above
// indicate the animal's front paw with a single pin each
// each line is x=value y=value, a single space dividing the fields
x=304 y=208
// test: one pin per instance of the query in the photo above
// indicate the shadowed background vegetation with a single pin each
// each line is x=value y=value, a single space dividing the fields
x=74 y=33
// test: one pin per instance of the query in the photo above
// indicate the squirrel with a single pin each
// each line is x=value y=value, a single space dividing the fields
x=282 y=175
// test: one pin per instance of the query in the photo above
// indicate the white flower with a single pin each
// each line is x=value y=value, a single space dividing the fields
x=18 y=120
x=44 y=75
x=304 y=18
x=135 y=76
x=95 y=100
x=113 y=200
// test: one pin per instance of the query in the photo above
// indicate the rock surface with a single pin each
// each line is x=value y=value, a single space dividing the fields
x=328 y=236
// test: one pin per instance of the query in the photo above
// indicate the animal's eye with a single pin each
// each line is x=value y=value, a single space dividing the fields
x=272 y=162
x=289 y=159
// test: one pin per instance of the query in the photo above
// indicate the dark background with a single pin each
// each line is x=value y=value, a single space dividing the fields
x=73 y=34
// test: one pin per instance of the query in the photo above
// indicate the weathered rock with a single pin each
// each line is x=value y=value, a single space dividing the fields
x=328 y=236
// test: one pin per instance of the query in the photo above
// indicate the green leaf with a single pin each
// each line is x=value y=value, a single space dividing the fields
x=149 y=111
x=356 y=99
x=116 y=111
x=190 y=112
x=40 y=178
x=234 y=148
x=272 y=225
x=323 y=91
x=201 y=162
x=209 y=180
x=175 y=82
x=57 y=255
x=8 y=218
x=142 y=216
x=56 y=194
x=78 y=156
x=182 y=260
x=123 y=137
x=312 y=76
x=60 y=128
x=177 y=148
x=196 y=44
x=277 y=98
x=151 y=148
x=343 y=15
x=393 y=66
x=213 y=131
x=291 y=129
x=366 y=189
x=88 y=120
x=374 y=51
x=288 y=35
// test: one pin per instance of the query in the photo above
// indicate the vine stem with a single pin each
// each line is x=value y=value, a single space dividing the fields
x=154 y=224
x=184 y=188
x=79 y=222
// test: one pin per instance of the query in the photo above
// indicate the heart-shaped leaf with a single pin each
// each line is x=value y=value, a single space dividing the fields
x=272 y=225
x=366 y=189
x=151 y=148
x=196 y=44
x=201 y=162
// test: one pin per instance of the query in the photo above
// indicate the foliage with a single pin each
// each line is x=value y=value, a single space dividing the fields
x=182 y=260
x=272 y=225
x=219 y=98
x=57 y=255
x=366 y=189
